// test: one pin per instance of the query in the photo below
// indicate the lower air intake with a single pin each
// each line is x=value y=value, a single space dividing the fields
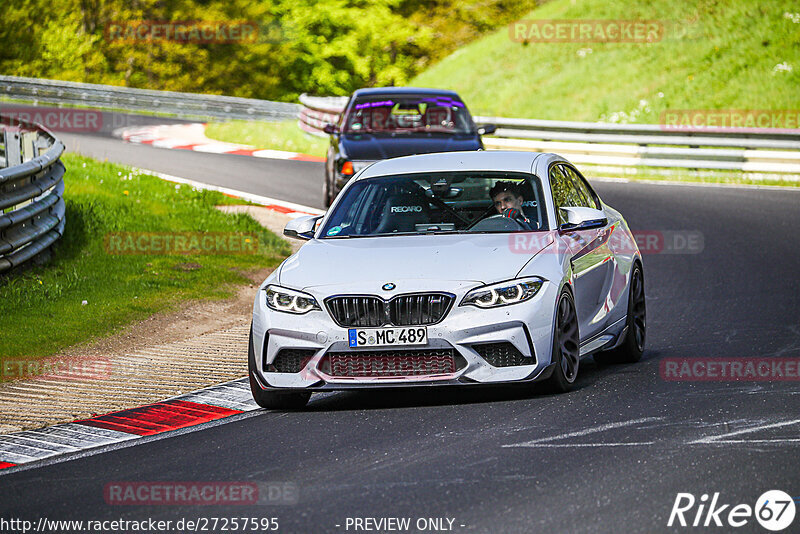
x=502 y=355
x=390 y=363
x=290 y=360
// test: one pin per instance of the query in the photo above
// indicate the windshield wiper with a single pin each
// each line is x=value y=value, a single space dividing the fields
x=439 y=232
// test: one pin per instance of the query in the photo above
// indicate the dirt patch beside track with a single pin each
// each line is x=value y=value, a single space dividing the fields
x=200 y=344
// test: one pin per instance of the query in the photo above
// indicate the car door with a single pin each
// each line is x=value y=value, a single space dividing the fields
x=616 y=245
x=592 y=260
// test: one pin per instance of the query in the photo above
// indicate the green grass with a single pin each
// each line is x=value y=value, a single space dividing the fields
x=719 y=54
x=284 y=135
x=41 y=308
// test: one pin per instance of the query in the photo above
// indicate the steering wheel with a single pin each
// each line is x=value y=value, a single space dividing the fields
x=497 y=223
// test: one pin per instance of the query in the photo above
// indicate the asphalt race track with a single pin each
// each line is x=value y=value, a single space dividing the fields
x=294 y=181
x=611 y=456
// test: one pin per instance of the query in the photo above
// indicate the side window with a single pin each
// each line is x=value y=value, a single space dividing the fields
x=579 y=199
x=581 y=185
x=559 y=186
x=565 y=192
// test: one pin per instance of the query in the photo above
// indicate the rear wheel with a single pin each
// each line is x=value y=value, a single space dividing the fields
x=566 y=346
x=632 y=348
x=273 y=400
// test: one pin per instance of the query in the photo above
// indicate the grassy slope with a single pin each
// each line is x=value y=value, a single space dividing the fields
x=41 y=308
x=716 y=54
x=722 y=59
x=284 y=135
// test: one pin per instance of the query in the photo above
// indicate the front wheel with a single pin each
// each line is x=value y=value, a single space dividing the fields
x=273 y=400
x=632 y=348
x=327 y=199
x=566 y=346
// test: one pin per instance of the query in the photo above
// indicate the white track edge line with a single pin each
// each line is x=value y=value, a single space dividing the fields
x=258 y=199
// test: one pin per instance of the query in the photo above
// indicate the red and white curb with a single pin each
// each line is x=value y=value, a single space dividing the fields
x=184 y=411
x=192 y=137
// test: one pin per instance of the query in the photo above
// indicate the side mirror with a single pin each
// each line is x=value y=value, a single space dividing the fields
x=487 y=129
x=301 y=227
x=330 y=129
x=582 y=219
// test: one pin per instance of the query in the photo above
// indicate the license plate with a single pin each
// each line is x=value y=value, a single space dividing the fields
x=387 y=337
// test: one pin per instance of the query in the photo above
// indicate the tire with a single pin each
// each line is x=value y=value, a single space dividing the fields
x=326 y=191
x=566 y=346
x=632 y=348
x=272 y=400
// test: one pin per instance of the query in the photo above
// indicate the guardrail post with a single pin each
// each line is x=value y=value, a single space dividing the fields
x=41 y=144
x=28 y=145
x=13 y=143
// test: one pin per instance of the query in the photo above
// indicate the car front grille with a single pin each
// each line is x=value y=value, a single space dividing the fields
x=391 y=363
x=416 y=309
x=502 y=355
x=422 y=309
x=357 y=311
x=290 y=360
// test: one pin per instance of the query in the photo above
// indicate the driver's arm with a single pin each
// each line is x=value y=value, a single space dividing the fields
x=513 y=213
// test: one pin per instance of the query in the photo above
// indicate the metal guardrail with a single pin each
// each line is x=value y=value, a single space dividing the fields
x=126 y=98
x=317 y=111
x=624 y=145
x=32 y=209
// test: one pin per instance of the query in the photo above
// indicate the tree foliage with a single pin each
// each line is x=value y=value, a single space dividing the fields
x=326 y=47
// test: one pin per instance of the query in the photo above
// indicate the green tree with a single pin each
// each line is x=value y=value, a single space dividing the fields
x=326 y=47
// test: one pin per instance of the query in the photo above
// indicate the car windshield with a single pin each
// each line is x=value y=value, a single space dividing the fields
x=408 y=114
x=436 y=203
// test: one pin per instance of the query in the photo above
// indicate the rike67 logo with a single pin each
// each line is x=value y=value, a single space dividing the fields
x=774 y=511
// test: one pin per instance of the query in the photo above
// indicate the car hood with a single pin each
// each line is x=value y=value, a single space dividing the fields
x=419 y=262
x=371 y=147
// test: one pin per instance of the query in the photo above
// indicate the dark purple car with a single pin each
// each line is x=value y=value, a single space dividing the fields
x=388 y=122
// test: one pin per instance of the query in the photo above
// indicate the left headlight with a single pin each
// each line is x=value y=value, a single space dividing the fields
x=503 y=293
x=290 y=301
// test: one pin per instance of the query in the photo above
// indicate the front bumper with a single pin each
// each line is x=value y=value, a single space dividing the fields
x=528 y=326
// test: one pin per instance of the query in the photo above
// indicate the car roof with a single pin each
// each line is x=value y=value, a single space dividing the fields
x=381 y=91
x=477 y=160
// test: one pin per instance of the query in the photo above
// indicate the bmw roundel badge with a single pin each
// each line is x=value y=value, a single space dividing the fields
x=388 y=287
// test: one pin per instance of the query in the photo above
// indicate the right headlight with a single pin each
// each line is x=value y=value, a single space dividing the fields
x=503 y=293
x=289 y=300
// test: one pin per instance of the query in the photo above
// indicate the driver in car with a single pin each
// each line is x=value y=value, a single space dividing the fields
x=507 y=198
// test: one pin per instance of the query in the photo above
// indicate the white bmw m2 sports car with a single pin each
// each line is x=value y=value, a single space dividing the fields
x=453 y=268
